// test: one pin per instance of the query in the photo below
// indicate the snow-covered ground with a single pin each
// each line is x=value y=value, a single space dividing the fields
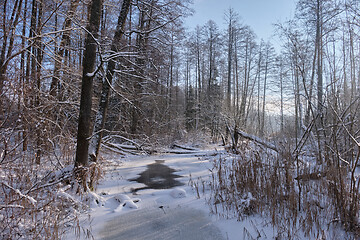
x=174 y=213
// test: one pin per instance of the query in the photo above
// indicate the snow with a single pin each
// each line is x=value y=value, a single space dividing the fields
x=92 y=74
x=178 y=193
x=17 y=191
x=130 y=204
x=174 y=213
x=181 y=212
x=95 y=200
x=125 y=201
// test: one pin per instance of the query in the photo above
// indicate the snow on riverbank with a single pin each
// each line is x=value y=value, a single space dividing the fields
x=130 y=210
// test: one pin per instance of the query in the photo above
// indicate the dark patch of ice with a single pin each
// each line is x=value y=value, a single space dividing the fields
x=158 y=176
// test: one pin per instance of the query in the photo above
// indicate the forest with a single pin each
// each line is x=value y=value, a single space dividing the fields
x=83 y=77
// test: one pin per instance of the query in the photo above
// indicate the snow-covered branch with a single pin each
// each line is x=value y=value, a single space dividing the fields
x=18 y=192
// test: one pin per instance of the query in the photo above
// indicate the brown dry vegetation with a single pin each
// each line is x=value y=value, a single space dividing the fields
x=300 y=198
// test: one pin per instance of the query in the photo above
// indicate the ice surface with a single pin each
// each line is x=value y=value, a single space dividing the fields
x=155 y=224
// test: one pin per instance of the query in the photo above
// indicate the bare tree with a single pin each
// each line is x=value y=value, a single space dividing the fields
x=247 y=86
x=232 y=20
x=9 y=24
x=269 y=55
x=84 y=129
x=64 y=43
x=107 y=82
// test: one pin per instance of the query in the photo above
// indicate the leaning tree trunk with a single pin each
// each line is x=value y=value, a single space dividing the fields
x=83 y=135
x=105 y=93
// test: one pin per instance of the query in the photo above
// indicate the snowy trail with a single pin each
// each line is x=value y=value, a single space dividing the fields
x=174 y=213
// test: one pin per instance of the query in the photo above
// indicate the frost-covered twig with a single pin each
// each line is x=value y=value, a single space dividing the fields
x=11 y=206
x=17 y=191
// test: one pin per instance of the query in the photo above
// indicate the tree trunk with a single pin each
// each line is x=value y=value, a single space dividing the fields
x=319 y=56
x=310 y=95
x=230 y=46
x=262 y=131
x=8 y=40
x=105 y=93
x=65 y=41
x=38 y=62
x=83 y=135
x=244 y=87
x=141 y=44
x=281 y=96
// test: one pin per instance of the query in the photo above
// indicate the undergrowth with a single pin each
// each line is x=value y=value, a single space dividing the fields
x=41 y=201
x=301 y=199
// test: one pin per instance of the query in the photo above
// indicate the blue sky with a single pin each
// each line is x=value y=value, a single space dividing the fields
x=258 y=14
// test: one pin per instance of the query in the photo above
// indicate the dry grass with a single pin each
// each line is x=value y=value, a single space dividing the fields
x=37 y=201
x=300 y=199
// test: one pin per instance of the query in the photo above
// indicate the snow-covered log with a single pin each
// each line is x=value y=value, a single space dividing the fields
x=257 y=140
x=123 y=148
x=179 y=152
x=182 y=147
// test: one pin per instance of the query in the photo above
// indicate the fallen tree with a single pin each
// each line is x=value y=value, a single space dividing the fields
x=182 y=147
x=256 y=139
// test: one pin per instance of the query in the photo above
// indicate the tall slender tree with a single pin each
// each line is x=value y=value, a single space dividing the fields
x=88 y=73
x=231 y=19
x=107 y=82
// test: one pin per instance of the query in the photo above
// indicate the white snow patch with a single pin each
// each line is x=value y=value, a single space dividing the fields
x=119 y=208
x=95 y=200
x=92 y=74
x=122 y=198
x=178 y=193
x=125 y=202
x=130 y=204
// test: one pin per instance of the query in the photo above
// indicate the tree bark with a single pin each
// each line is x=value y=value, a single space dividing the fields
x=7 y=44
x=142 y=37
x=38 y=49
x=230 y=46
x=319 y=56
x=65 y=41
x=262 y=131
x=105 y=93
x=83 y=135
